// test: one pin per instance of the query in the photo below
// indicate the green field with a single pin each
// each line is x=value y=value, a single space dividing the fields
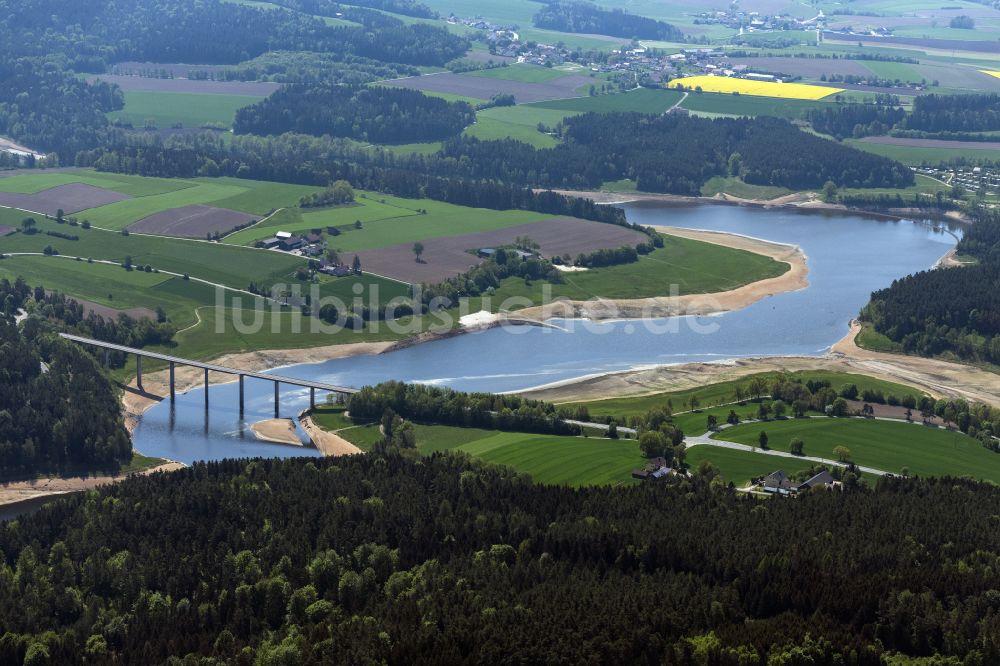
x=134 y=186
x=574 y=461
x=747 y=105
x=681 y=261
x=232 y=266
x=154 y=195
x=893 y=71
x=739 y=467
x=387 y=220
x=717 y=398
x=917 y=155
x=165 y=110
x=517 y=122
x=736 y=187
x=524 y=73
x=885 y=445
x=643 y=100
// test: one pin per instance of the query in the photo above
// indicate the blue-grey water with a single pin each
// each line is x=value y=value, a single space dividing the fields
x=849 y=256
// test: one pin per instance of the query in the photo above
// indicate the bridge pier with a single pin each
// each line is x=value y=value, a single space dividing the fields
x=312 y=397
x=241 y=396
x=276 y=405
x=173 y=393
x=138 y=371
x=206 y=388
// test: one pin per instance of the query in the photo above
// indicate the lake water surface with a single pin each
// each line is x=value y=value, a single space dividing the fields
x=849 y=256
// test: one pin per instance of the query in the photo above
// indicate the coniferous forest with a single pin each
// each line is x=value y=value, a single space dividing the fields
x=586 y=17
x=956 y=310
x=381 y=559
x=378 y=114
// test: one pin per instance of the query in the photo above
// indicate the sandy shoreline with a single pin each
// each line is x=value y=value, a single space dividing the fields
x=20 y=491
x=806 y=201
x=936 y=377
x=277 y=431
x=329 y=443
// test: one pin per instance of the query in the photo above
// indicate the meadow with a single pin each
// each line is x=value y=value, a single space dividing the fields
x=739 y=467
x=153 y=195
x=643 y=100
x=718 y=399
x=728 y=85
x=916 y=155
x=517 y=122
x=524 y=73
x=167 y=110
x=232 y=266
x=681 y=261
x=887 y=445
x=572 y=461
x=711 y=104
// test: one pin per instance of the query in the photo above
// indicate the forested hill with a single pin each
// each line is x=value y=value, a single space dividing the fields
x=92 y=33
x=443 y=561
x=58 y=412
x=44 y=44
x=586 y=17
x=955 y=310
x=378 y=114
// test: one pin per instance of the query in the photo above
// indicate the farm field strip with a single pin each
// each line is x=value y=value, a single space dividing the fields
x=186 y=109
x=728 y=85
x=191 y=86
x=481 y=87
x=887 y=445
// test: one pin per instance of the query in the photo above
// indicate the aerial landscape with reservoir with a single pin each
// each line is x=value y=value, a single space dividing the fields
x=478 y=332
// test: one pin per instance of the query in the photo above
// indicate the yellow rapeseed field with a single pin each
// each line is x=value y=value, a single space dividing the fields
x=725 y=84
x=990 y=72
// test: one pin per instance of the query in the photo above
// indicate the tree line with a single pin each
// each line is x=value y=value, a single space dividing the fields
x=446 y=560
x=432 y=404
x=954 y=113
x=585 y=17
x=378 y=114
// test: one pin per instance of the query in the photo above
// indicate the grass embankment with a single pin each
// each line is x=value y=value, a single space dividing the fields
x=885 y=445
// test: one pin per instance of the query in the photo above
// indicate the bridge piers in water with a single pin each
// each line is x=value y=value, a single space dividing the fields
x=174 y=361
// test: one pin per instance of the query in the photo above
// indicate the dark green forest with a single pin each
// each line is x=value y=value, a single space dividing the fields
x=667 y=153
x=588 y=18
x=955 y=310
x=954 y=113
x=44 y=44
x=379 y=114
x=446 y=561
x=58 y=411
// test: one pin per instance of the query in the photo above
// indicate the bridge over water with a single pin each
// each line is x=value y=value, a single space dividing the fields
x=174 y=361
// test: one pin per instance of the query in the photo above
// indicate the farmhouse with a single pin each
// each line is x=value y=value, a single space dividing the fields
x=656 y=468
x=778 y=483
